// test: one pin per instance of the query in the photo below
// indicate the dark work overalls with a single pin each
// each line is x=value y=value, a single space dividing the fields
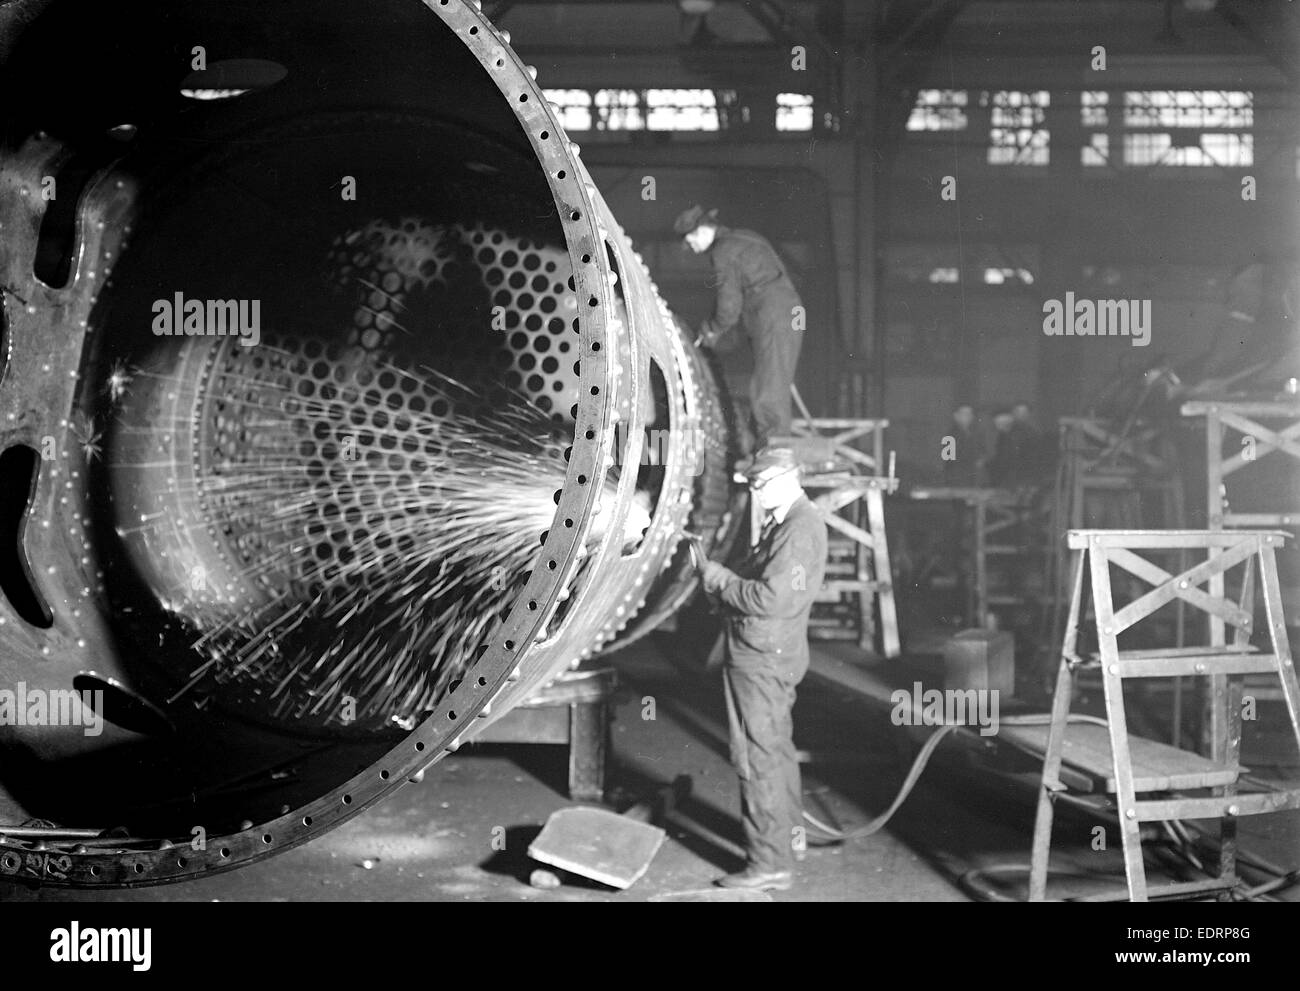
x=767 y=601
x=754 y=288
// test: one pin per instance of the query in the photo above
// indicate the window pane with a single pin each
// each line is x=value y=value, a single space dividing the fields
x=938 y=110
x=1017 y=136
x=794 y=112
x=681 y=110
x=619 y=110
x=572 y=106
x=1208 y=109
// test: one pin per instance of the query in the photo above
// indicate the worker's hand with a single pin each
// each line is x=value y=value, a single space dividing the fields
x=706 y=337
x=714 y=576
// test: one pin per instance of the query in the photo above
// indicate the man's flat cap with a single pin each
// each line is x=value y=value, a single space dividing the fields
x=782 y=458
x=691 y=218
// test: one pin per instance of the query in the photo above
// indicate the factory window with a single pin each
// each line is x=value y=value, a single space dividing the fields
x=1148 y=148
x=922 y=263
x=1017 y=135
x=1094 y=112
x=572 y=106
x=1192 y=128
x=938 y=265
x=731 y=112
x=1097 y=150
x=1008 y=277
x=681 y=110
x=619 y=110
x=1093 y=108
x=1208 y=110
x=938 y=110
x=794 y=112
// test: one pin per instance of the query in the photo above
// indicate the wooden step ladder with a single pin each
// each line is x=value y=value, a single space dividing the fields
x=1131 y=766
x=848 y=485
x=1265 y=431
x=857 y=566
x=1002 y=538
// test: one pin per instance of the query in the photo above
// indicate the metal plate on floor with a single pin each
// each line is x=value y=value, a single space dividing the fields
x=597 y=844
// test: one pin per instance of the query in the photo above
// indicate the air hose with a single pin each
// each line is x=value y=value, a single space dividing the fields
x=974 y=882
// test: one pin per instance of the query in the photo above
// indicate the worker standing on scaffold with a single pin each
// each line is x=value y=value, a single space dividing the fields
x=752 y=288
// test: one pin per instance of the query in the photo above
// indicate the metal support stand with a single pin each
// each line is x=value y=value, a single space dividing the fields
x=852 y=503
x=1118 y=476
x=1249 y=419
x=573 y=710
x=1001 y=527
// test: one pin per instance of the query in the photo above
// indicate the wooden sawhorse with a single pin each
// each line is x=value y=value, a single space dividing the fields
x=863 y=569
x=852 y=503
x=1247 y=418
x=995 y=515
x=1258 y=440
x=1129 y=766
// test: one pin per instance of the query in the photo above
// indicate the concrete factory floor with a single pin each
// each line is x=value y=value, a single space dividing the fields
x=434 y=840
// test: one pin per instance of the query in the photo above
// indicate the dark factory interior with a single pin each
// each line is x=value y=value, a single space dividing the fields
x=649 y=450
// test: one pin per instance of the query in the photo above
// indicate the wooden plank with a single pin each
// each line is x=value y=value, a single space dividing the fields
x=834 y=501
x=1184 y=888
x=1269 y=441
x=1256 y=803
x=1121 y=748
x=1137 y=655
x=833 y=633
x=981 y=617
x=970 y=496
x=852 y=434
x=1272 y=595
x=1278 y=408
x=1165 y=539
x=1156 y=766
x=830 y=423
x=1181 y=586
x=851 y=585
x=1291 y=518
x=1206 y=664
x=843 y=480
x=856 y=532
x=884 y=574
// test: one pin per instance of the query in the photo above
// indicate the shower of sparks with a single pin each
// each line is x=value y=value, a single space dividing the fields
x=379 y=541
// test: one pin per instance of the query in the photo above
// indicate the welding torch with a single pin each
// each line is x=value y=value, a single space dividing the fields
x=696 y=544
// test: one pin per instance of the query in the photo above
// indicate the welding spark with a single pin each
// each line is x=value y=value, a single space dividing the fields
x=119 y=381
x=83 y=429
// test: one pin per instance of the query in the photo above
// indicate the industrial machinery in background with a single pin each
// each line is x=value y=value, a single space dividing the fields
x=337 y=417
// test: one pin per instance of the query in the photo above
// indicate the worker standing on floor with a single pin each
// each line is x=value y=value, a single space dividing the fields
x=766 y=603
x=752 y=288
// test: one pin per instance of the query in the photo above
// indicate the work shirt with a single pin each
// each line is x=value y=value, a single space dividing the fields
x=1017 y=457
x=768 y=598
x=964 y=469
x=751 y=283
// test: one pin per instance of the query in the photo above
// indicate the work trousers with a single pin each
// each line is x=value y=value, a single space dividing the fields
x=776 y=345
x=760 y=698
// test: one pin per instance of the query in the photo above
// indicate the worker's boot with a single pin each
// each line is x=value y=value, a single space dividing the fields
x=757 y=879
